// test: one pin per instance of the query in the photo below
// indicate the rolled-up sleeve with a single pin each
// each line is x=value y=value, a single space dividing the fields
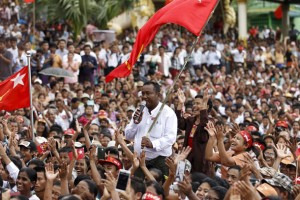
x=13 y=170
x=131 y=130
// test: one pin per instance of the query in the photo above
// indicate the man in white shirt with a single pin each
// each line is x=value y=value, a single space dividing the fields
x=239 y=55
x=157 y=144
x=113 y=59
x=125 y=54
x=197 y=56
x=260 y=57
x=61 y=51
x=14 y=51
x=213 y=57
x=76 y=57
x=165 y=64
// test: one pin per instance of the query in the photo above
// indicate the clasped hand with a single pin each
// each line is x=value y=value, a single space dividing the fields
x=146 y=142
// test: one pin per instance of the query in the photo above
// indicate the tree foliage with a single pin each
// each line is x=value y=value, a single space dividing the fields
x=79 y=12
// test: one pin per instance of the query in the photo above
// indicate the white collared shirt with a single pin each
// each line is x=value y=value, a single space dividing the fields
x=162 y=136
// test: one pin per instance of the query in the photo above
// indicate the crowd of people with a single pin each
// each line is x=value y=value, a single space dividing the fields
x=230 y=128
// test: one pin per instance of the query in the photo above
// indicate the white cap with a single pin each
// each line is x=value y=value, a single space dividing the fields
x=37 y=80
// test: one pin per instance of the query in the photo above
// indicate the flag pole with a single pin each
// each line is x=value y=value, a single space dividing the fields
x=28 y=55
x=178 y=76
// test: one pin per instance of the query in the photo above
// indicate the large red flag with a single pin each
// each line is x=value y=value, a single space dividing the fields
x=28 y=1
x=14 y=91
x=191 y=14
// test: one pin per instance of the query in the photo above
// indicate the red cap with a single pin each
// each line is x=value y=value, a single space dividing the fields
x=150 y=196
x=112 y=160
x=251 y=128
x=259 y=145
x=102 y=114
x=282 y=124
x=247 y=137
x=240 y=48
x=69 y=131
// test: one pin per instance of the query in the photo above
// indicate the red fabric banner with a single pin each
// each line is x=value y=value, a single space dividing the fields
x=191 y=14
x=14 y=91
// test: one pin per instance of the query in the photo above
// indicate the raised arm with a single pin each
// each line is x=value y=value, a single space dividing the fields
x=225 y=159
x=95 y=174
x=51 y=176
x=179 y=110
x=212 y=142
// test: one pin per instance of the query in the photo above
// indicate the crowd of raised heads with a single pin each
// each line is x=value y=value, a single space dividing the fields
x=229 y=129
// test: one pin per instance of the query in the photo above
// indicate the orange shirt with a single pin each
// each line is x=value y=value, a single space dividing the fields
x=237 y=159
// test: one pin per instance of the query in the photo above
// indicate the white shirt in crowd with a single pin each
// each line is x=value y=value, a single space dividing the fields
x=113 y=59
x=63 y=120
x=238 y=57
x=197 y=57
x=166 y=63
x=162 y=136
x=76 y=58
x=213 y=57
x=61 y=53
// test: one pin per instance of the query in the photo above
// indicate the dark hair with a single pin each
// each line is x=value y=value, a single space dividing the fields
x=81 y=178
x=56 y=128
x=180 y=137
x=112 y=150
x=211 y=182
x=221 y=191
x=52 y=84
x=20 y=197
x=160 y=177
x=158 y=188
x=37 y=162
x=31 y=173
x=40 y=169
x=209 y=102
x=198 y=177
x=237 y=167
x=138 y=185
x=155 y=86
x=92 y=186
x=221 y=182
x=68 y=197
x=195 y=186
x=1 y=181
x=16 y=160
x=65 y=150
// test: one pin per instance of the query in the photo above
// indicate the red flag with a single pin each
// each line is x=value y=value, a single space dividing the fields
x=278 y=12
x=14 y=91
x=80 y=153
x=191 y=14
x=168 y=1
x=28 y=1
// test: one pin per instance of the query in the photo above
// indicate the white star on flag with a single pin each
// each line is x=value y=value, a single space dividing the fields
x=18 y=80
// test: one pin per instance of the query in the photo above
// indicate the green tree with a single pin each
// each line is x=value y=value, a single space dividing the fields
x=77 y=13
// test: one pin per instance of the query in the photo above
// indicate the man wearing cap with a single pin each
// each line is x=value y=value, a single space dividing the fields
x=158 y=142
x=112 y=165
x=28 y=150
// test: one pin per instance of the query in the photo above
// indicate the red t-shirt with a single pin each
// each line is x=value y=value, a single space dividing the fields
x=191 y=136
